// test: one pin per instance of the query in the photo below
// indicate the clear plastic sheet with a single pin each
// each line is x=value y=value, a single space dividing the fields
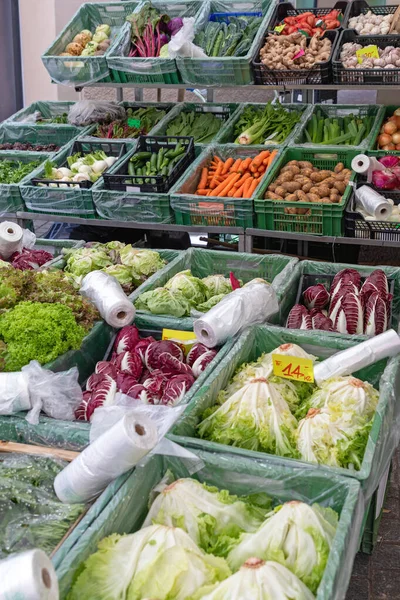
x=383 y=375
x=87 y=112
x=83 y=70
x=10 y=194
x=241 y=476
x=326 y=268
x=119 y=61
x=275 y=269
x=32 y=134
x=48 y=110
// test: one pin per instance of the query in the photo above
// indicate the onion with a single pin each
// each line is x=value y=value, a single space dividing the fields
x=397 y=146
x=390 y=128
x=396 y=138
x=385 y=148
x=384 y=139
x=397 y=112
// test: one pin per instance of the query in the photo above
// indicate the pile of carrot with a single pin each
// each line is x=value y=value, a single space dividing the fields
x=234 y=178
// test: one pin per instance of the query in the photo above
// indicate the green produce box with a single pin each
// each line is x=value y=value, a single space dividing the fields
x=241 y=476
x=224 y=112
x=191 y=209
x=386 y=112
x=10 y=194
x=384 y=375
x=82 y=70
x=228 y=134
x=338 y=111
x=74 y=435
x=229 y=70
x=55 y=247
x=320 y=219
x=148 y=70
x=48 y=110
x=274 y=268
x=311 y=267
x=374 y=514
x=37 y=136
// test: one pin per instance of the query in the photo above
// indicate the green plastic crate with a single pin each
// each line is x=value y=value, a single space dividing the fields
x=322 y=219
x=55 y=247
x=127 y=511
x=48 y=110
x=374 y=514
x=37 y=135
x=83 y=70
x=225 y=112
x=10 y=194
x=228 y=133
x=340 y=111
x=229 y=70
x=148 y=70
x=274 y=268
x=386 y=112
x=191 y=209
x=383 y=436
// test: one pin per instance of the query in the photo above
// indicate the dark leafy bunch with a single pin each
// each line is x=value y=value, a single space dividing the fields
x=58 y=119
x=12 y=171
x=228 y=39
x=30 y=514
x=151 y=30
x=27 y=147
x=137 y=122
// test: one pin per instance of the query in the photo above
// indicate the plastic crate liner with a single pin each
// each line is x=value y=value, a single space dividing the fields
x=48 y=110
x=10 y=193
x=383 y=375
x=38 y=136
x=274 y=268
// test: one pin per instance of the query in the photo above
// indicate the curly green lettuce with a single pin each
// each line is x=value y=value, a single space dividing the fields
x=164 y=302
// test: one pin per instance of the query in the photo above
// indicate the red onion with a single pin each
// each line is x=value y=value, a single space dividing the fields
x=384 y=180
x=389 y=161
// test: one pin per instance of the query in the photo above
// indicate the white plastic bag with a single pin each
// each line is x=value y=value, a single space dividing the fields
x=86 y=112
x=181 y=43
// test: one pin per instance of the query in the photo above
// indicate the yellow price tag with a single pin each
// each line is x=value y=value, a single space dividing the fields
x=280 y=28
x=293 y=367
x=176 y=334
x=367 y=52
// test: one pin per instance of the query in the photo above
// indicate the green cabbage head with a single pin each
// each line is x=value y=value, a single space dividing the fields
x=121 y=273
x=143 y=262
x=84 y=260
x=164 y=302
x=191 y=287
x=217 y=284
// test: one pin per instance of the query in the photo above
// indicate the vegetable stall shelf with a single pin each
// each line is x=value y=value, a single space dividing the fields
x=240 y=476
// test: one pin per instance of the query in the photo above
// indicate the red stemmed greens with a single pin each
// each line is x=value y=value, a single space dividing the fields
x=151 y=30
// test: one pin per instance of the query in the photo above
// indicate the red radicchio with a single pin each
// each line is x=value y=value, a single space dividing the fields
x=125 y=382
x=141 y=347
x=195 y=351
x=156 y=348
x=384 y=180
x=171 y=365
x=377 y=312
x=104 y=393
x=145 y=375
x=176 y=388
x=375 y=282
x=81 y=411
x=344 y=277
x=320 y=321
x=156 y=382
x=202 y=362
x=389 y=161
x=129 y=362
x=346 y=311
x=126 y=339
x=316 y=296
x=106 y=368
x=94 y=380
x=299 y=318
x=27 y=260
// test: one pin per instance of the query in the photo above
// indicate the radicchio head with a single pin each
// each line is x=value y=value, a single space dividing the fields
x=375 y=282
x=104 y=393
x=176 y=388
x=344 y=277
x=81 y=411
x=320 y=321
x=196 y=350
x=376 y=313
x=141 y=347
x=316 y=296
x=129 y=362
x=125 y=382
x=155 y=349
x=202 y=362
x=299 y=318
x=126 y=339
x=171 y=365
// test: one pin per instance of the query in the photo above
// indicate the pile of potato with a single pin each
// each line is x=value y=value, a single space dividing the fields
x=280 y=51
x=300 y=181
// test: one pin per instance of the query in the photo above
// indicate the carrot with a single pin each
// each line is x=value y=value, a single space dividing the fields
x=202 y=191
x=242 y=179
x=260 y=157
x=231 y=192
x=271 y=158
x=246 y=187
x=203 y=179
x=214 y=182
x=266 y=161
x=239 y=191
x=224 y=187
x=253 y=168
x=236 y=165
x=227 y=165
x=245 y=165
x=261 y=169
x=252 y=187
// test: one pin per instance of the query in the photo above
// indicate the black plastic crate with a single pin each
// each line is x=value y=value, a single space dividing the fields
x=159 y=184
x=286 y=9
x=111 y=148
x=373 y=77
x=361 y=7
x=356 y=226
x=320 y=73
x=308 y=279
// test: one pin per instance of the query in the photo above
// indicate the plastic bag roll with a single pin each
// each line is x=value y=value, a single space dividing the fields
x=28 y=576
x=14 y=393
x=253 y=303
x=107 y=295
x=115 y=452
x=362 y=355
x=373 y=204
x=11 y=236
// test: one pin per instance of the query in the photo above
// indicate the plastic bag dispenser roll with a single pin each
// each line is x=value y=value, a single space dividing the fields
x=28 y=576
x=107 y=295
x=11 y=236
x=113 y=453
x=362 y=355
x=253 y=303
x=373 y=204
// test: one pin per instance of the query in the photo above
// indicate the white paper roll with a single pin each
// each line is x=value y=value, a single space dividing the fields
x=253 y=303
x=110 y=455
x=28 y=576
x=362 y=355
x=107 y=295
x=373 y=204
x=11 y=236
x=14 y=393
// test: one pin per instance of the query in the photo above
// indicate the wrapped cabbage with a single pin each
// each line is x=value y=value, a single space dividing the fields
x=191 y=287
x=295 y=535
x=164 y=302
x=211 y=517
x=259 y=580
x=155 y=562
x=256 y=417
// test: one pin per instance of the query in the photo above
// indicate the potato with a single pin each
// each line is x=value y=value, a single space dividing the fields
x=315 y=190
x=290 y=211
x=291 y=198
x=317 y=177
x=323 y=190
x=346 y=172
x=335 y=199
x=305 y=164
x=313 y=197
x=293 y=168
x=340 y=177
x=302 y=211
x=307 y=187
x=272 y=187
x=339 y=167
x=280 y=190
x=330 y=181
x=301 y=196
x=325 y=201
x=293 y=162
x=291 y=186
x=307 y=172
x=74 y=48
x=340 y=186
x=302 y=179
x=272 y=196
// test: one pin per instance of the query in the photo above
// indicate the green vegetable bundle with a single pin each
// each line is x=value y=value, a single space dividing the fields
x=59 y=119
x=12 y=171
x=137 y=122
x=202 y=127
x=233 y=38
x=31 y=516
x=350 y=130
x=269 y=125
x=153 y=164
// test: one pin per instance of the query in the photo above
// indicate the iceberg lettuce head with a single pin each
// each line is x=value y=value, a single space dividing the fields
x=191 y=287
x=143 y=262
x=217 y=284
x=163 y=302
x=84 y=260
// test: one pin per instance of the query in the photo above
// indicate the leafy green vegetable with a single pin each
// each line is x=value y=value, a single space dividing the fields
x=231 y=38
x=213 y=301
x=12 y=171
x=146 y=119
x=217 y=284
x=59 y=119
x=203 y=127
x=30 y=514
x=191 y=287
x=348 y=130
x=269 y=125
x=35 y=331
x=164 y=302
